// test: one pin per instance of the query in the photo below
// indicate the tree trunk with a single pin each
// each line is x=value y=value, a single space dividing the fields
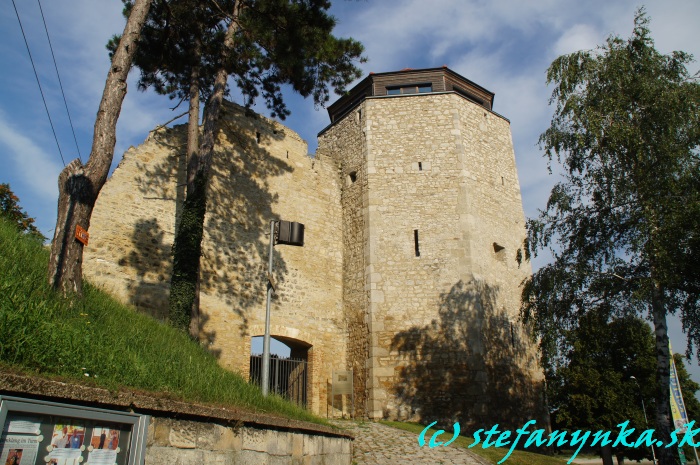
x=620 y=456
x=663 y=408
x=192 y=168
x=606 y=454
x=187 y=248
x=79 y=186
x=193 y=121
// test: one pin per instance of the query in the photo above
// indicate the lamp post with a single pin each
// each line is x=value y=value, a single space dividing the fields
x=653 y=454
x=281 y=232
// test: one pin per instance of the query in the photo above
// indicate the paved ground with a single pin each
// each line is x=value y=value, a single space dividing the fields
x=377 y=444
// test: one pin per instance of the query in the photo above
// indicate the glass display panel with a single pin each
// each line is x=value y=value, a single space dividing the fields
x=38 y=432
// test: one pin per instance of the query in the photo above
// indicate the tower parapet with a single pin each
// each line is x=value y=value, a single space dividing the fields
x=410 y=81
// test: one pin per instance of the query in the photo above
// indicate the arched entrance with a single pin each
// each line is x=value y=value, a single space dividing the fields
x=289 y=367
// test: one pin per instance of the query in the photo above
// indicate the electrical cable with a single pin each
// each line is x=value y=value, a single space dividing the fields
x=59 y=80
x=41 y=91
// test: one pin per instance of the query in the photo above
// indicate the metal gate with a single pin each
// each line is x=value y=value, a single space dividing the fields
x=287 y=377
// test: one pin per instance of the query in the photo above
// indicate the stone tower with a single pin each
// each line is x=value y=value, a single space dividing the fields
x=408 y=272
x=432 y=222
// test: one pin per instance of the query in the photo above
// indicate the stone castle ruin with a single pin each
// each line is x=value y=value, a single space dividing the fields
x=408 y=275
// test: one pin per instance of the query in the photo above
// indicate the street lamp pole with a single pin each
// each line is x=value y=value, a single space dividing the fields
x=266 y=339
x=290 y=233
x=653 y=454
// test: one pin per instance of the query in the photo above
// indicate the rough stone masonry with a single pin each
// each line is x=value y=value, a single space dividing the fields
x=408 y=275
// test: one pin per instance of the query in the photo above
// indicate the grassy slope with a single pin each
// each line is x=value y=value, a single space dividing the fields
x=41 y=332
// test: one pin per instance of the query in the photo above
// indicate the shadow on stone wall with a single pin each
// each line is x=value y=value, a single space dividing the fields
x=239 y=209
x=466 y=365
x=151 y=260
x=238 y=219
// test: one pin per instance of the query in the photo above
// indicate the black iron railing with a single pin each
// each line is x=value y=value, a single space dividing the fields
x=288 y=377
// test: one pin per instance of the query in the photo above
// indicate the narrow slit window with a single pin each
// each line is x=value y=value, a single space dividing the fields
x=500 y=252
x=420 y=166
x=415 y=240
x=257 y=137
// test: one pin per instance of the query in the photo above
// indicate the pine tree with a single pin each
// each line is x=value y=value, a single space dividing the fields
x=178 y=49
x=189 y=50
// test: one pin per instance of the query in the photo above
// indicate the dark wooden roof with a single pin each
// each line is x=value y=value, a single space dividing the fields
x=436 y=79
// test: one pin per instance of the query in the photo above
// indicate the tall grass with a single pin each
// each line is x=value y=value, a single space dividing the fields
x=98 y=340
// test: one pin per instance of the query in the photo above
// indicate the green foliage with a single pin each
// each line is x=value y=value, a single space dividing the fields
x=624 y=222
x=97 y=340
x=183 y=47
x=592 y=390
x=278 y=42
x=178 y=36
x=188 y=242
x=10 y=209
x=291 y=42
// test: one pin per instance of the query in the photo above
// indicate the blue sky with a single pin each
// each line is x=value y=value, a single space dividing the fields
x=503 y=45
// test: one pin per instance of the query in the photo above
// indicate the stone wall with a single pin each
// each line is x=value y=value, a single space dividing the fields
x=347 y=146
x=173 y=441
x=408 y=275
x=442 y=221
x=261 y=172
x=133 y=223
x=182 y=433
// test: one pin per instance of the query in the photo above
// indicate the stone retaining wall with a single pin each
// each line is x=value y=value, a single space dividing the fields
x=172 y=441
x=184 y=433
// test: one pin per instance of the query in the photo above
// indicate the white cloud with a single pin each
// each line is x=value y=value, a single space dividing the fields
x=578 y=37
x=674 y=26
x=33 y=165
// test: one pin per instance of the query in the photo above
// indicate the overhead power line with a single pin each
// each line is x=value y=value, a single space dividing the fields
x=41 y=91
x=59 y=80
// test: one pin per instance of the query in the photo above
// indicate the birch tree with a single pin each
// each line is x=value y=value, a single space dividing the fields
x=624 y=223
